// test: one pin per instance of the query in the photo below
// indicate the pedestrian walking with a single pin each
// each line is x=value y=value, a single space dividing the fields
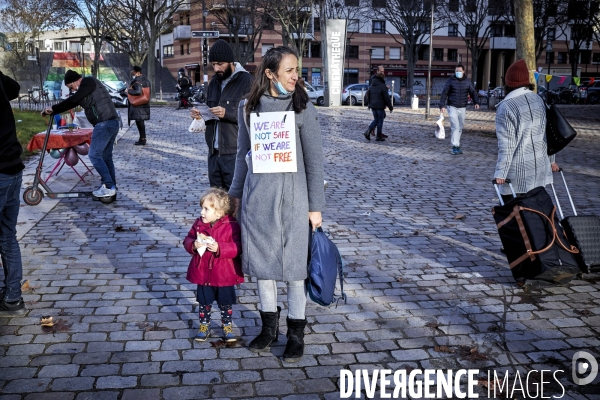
x=521 y=132
x=454 y=99
x=275 y=209
x=215 y=245
x=100 y=111
x=225 y=90
x=139 y=113
x=183 y=87
x=379 y=99
x=11 y=175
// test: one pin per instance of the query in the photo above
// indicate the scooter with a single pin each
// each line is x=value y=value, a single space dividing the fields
x=118 y=97
x=33 y=195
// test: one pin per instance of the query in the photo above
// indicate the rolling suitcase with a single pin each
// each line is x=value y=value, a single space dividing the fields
x=533 y=240
x=583 y=231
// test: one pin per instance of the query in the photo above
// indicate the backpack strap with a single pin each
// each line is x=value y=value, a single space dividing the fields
x=340 y=272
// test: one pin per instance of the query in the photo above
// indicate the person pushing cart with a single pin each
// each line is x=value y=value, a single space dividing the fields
x=91 y=94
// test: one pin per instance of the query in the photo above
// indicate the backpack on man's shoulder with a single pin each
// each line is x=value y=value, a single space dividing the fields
x=324 y=267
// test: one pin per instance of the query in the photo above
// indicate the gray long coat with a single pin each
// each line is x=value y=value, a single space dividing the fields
x=522 y=149
x=274 y=207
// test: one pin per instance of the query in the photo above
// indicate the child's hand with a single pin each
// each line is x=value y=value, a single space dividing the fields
x=214 y=247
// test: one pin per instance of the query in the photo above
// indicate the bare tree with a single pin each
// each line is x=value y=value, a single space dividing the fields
x=578 y=17
x=480 y=18
x=24 y=21
x=547 y=18
x=126 y=29
x=93 y=14
x=411 y=19
x=294 y=19
x=244 y=19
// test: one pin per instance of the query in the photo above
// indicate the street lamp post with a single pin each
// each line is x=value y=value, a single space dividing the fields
x=370 y=66
x=549 y=55
x=81 y=43
x=204 y=43
x=427 y=109
x=468 y=42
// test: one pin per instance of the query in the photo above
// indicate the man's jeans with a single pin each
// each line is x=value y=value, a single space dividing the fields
x=457 y=121
x=10 y=186
x=378 y=117
x=101 y=150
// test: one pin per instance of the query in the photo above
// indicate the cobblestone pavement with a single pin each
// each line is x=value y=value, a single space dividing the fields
x=427 y=286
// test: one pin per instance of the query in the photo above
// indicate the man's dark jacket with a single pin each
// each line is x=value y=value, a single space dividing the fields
x=379 y=97
x=10 y=148
x=230 y=98
x=456 y=91
x=95 y=100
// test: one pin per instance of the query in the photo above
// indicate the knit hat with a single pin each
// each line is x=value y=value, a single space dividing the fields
x=71 y=76
x=517 y=75
x=221 y=51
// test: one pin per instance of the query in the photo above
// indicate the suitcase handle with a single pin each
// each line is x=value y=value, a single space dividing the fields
x=568 y=194
x=498 y=190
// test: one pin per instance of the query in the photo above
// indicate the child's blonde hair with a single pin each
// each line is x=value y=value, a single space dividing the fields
x=217 y=199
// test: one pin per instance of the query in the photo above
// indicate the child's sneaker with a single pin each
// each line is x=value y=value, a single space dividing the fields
x=203 y=333
x=228 y=335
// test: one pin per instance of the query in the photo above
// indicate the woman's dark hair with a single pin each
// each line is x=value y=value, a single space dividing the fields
x=508 y=89
x=271 y=61
x=136 y=68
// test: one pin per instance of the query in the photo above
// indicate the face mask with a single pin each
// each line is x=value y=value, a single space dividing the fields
x=458 y=74
x=280 y=88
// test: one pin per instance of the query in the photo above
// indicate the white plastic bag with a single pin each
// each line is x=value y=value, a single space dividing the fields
x=197 y=125
x=440 y=132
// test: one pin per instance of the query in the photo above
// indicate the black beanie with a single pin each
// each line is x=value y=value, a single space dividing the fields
x=221 y=52
x=71 y=76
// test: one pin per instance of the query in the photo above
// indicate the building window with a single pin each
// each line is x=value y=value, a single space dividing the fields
x=266 y=47
x=549 y=57
x=181 y=49
x=452 y=55
x=438 y=54
x=268 y=23
x=168 y=51
x=551 y=35
x=315 y=49
x=452 y=29
x=317 y=25
x=496 y=30
x=470 y=30
x=378 y=3
x=596 y=58
x=188 y=49
x=509 y=30
x=562 y=57
x=586 y=56
x=353 y=25
x=377 y=53
x=378 y=26
x=351 y=51
x=471 y=6
x=245 y=51
x=352 y=3
x=453 y=5
x=395 y=53
x=58 y=46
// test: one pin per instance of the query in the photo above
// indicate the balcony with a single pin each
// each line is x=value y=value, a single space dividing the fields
x=503 y=43
x=184 y=6
x=244 y=30
x=182 y=32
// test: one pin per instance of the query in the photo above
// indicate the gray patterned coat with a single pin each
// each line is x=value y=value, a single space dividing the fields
x=522 y=150
x=274 y=208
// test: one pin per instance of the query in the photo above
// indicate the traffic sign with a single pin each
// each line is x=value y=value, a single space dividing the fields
x=205 y=34
x=31 y=58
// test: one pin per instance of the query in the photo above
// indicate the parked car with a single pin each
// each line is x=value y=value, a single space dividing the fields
x=593 y=92
x=352 y=94
x=319 y=87
x=315 y=96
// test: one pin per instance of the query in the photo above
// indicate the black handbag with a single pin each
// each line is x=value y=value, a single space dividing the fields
x=559 y=132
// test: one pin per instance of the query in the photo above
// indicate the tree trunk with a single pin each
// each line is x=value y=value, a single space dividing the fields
x=476 y=53
x=152 y=57
x=410 y=66
x=525 y=36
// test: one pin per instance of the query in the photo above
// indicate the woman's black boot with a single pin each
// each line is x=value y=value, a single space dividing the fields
x=294 y=349
x=141 y=142
x=269 y=333
x=368 y=134
x=379 y=138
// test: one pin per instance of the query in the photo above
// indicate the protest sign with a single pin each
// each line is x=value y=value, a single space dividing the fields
x=273 y=138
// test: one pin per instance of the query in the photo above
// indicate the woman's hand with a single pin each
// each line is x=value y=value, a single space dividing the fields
x=194 y=113
x=214 y=247
x=315 y=218
x=235 y=204
x=555 y=167
x=500 y=181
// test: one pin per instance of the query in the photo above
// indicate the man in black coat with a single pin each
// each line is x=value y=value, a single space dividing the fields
x=91 y=94
x=183 y=86
x=223 y=95
x=454 y=98
x=379 y=99
x=11 y=174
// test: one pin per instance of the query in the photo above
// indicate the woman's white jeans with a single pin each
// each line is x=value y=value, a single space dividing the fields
x=457 y=121
x=296 y=296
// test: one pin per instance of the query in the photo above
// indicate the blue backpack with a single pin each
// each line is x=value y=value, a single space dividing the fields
x=324 y=265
